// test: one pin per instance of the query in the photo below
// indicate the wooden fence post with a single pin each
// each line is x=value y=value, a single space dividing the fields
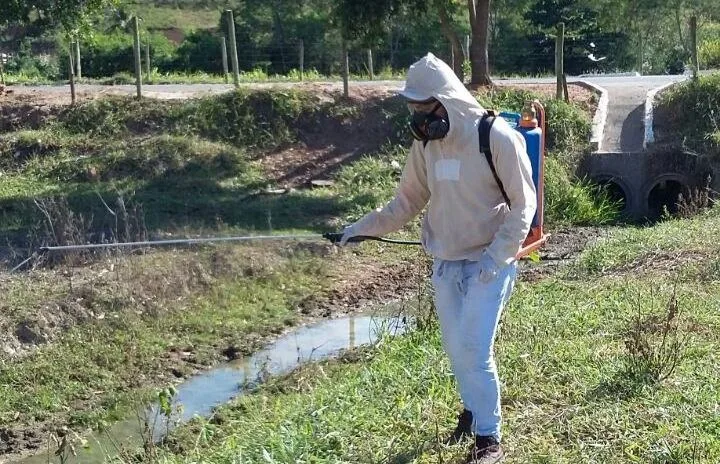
x=302 y=60
x=136 y=55
x=223 y=51
x=233 y=48
x=370 y=64
x=346 y=69
x=559 y=60
x=694 y=47
x=78 y=65
x=71 y=73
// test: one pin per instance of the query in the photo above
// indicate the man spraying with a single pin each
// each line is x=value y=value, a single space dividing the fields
x=478 y=215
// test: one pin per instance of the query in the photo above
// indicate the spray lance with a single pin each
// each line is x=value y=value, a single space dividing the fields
x=332 y=237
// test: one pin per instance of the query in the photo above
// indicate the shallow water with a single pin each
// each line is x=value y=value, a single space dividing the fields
x=200 y=394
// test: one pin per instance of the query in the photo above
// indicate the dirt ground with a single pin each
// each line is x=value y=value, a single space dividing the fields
x=312 y=161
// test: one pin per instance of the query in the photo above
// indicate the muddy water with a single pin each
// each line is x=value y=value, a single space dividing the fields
x=200 y=394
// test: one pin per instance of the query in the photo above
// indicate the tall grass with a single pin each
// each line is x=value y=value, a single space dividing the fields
x=691 y=113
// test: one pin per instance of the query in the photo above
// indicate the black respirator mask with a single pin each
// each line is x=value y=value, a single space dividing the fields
x=429 y=126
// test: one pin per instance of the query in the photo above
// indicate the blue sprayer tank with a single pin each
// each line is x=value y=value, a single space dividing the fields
x=530 y=124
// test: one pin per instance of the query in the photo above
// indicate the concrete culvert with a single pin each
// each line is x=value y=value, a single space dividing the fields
x=615 y=191
x=664 y=196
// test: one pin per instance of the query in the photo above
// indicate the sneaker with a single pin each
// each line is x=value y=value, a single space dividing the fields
x=463 y=429
x=486 y=450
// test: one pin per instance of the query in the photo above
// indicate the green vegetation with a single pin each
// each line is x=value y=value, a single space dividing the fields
x=572 y=392
x=189 y=18
x=198 y=162
x=138 y=317
x=119 y=169
x=688 y=112
x=185 y=36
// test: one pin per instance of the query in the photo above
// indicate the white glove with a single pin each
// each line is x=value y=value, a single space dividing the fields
x=348 y=233
x=488 y=268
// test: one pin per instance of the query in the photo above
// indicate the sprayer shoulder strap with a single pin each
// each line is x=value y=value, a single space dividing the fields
x=484 y=127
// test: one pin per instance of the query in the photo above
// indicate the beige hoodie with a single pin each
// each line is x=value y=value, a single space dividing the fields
x=466 y=213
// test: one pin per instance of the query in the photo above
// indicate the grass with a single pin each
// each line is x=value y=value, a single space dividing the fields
x=159 y=77
x=136 y=316
x=194 y=163
x=568 y=396
x=178 y=169
x=679 y=108
x=186 y=19
x=670 y=238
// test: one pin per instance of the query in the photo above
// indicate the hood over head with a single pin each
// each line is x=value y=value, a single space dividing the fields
x=430 y=77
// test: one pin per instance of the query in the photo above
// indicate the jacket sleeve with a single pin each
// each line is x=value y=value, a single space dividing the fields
x=410 y=198
x=515 y=172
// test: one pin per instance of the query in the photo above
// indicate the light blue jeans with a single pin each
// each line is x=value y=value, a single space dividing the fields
x=469 y=312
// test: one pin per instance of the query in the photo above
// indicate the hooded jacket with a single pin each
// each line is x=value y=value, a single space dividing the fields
x=466 y=213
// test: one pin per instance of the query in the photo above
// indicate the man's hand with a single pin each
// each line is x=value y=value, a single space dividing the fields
x=488 y=268
x=348 y=233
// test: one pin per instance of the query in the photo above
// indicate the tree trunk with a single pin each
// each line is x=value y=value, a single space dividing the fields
x=479 y=23
x=280 y=36
x=679 y=28
x=451 y=35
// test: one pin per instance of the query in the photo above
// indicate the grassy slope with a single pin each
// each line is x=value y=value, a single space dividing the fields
x=186 y=19
x=190 y=166
x=679 y=108
x=569 y=395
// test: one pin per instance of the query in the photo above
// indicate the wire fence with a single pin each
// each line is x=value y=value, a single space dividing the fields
x=201 y=54
x=206 y=56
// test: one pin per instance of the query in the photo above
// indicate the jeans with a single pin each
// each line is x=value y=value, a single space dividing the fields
x=469 y=312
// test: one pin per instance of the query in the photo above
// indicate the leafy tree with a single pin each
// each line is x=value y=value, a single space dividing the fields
x=71 y=14
x=373 y=18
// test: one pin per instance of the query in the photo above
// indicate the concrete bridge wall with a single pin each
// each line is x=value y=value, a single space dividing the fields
x=647 y=179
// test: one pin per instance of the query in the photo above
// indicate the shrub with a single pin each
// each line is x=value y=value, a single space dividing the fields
x=709 y=54
x=110 y=54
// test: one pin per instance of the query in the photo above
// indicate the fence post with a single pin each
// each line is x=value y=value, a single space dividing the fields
x=78 y=65
x=233 y=48
x=466 y=52
x=370 y=64
x=346 y=68
x=302 y=60
x=694 y=47
x=136 y=55
x=559 y=60
x=2 y=69
x=223 y=50
x=71 y=74
x=147 y=62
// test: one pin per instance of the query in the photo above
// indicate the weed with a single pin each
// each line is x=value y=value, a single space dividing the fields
x=678 y=111
x=655 y=343
x=572 y=201
x=694 y=201
x=66 y=442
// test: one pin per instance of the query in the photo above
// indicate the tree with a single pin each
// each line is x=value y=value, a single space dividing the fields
x=373 y=18
x=71 y=14
x=479 y=12
x=445 y=14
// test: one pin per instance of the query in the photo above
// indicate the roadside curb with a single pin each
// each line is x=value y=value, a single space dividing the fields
x=598 y=124
x=649 y=112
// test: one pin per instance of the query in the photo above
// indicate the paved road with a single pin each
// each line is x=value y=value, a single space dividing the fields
x=625 y=125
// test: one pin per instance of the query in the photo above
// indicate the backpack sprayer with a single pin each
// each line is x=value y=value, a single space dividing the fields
x=530 y=123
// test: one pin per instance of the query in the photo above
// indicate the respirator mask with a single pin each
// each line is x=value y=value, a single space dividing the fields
x=427 y=125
